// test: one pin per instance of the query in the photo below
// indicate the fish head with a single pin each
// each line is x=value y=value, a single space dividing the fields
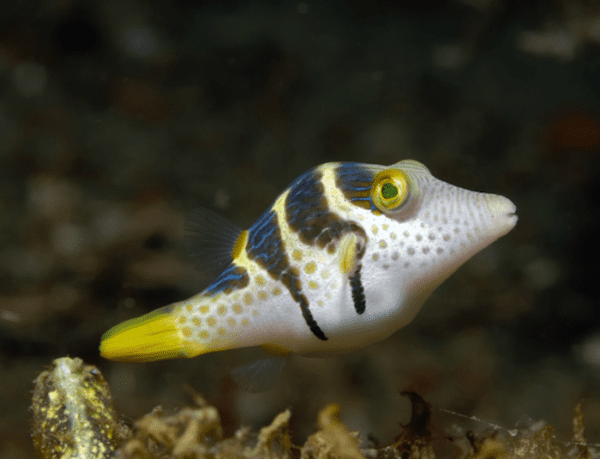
x=418 y=231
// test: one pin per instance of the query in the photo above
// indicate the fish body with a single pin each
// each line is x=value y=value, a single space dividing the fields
x=343 y=258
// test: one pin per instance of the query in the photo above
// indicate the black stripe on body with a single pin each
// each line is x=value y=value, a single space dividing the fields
x=307 y=210
x=308 y=214
x=355 y=181
x=267 y=249
x=358 y=292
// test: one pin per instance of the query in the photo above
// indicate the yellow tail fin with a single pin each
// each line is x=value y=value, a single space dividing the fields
x=153 y=336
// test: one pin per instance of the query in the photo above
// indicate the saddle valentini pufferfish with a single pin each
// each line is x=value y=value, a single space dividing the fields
x=344 y=257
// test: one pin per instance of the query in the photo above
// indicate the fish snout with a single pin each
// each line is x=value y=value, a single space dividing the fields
x=503 y=213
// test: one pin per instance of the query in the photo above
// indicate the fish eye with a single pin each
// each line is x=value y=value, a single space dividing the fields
x=391 y=189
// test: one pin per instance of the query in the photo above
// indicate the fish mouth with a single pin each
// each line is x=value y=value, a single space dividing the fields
x=499 y=206
x=503 y=212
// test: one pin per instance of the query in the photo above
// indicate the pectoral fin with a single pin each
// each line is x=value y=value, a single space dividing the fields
x=350 y=255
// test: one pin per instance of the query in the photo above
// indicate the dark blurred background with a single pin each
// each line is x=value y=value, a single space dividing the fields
x=118 y=116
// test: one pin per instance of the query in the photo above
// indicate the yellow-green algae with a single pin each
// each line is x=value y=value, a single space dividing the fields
x=73 y=413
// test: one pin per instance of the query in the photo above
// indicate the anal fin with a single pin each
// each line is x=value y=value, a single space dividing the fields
x=255 y=369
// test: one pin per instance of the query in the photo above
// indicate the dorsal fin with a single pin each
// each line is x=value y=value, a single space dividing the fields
x=209 y=241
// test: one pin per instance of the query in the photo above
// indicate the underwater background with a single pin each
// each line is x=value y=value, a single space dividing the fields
x=117 y=117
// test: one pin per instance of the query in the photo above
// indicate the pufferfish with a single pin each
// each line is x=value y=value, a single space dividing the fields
x=343 y=258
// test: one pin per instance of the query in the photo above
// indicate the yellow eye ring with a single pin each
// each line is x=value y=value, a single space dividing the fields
x=391 y=189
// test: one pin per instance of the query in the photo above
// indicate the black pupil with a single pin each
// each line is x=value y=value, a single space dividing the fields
x=389 y=191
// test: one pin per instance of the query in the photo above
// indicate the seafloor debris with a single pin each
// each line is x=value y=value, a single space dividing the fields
x=74 y=419
x=73 y=414
x=333 y=438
